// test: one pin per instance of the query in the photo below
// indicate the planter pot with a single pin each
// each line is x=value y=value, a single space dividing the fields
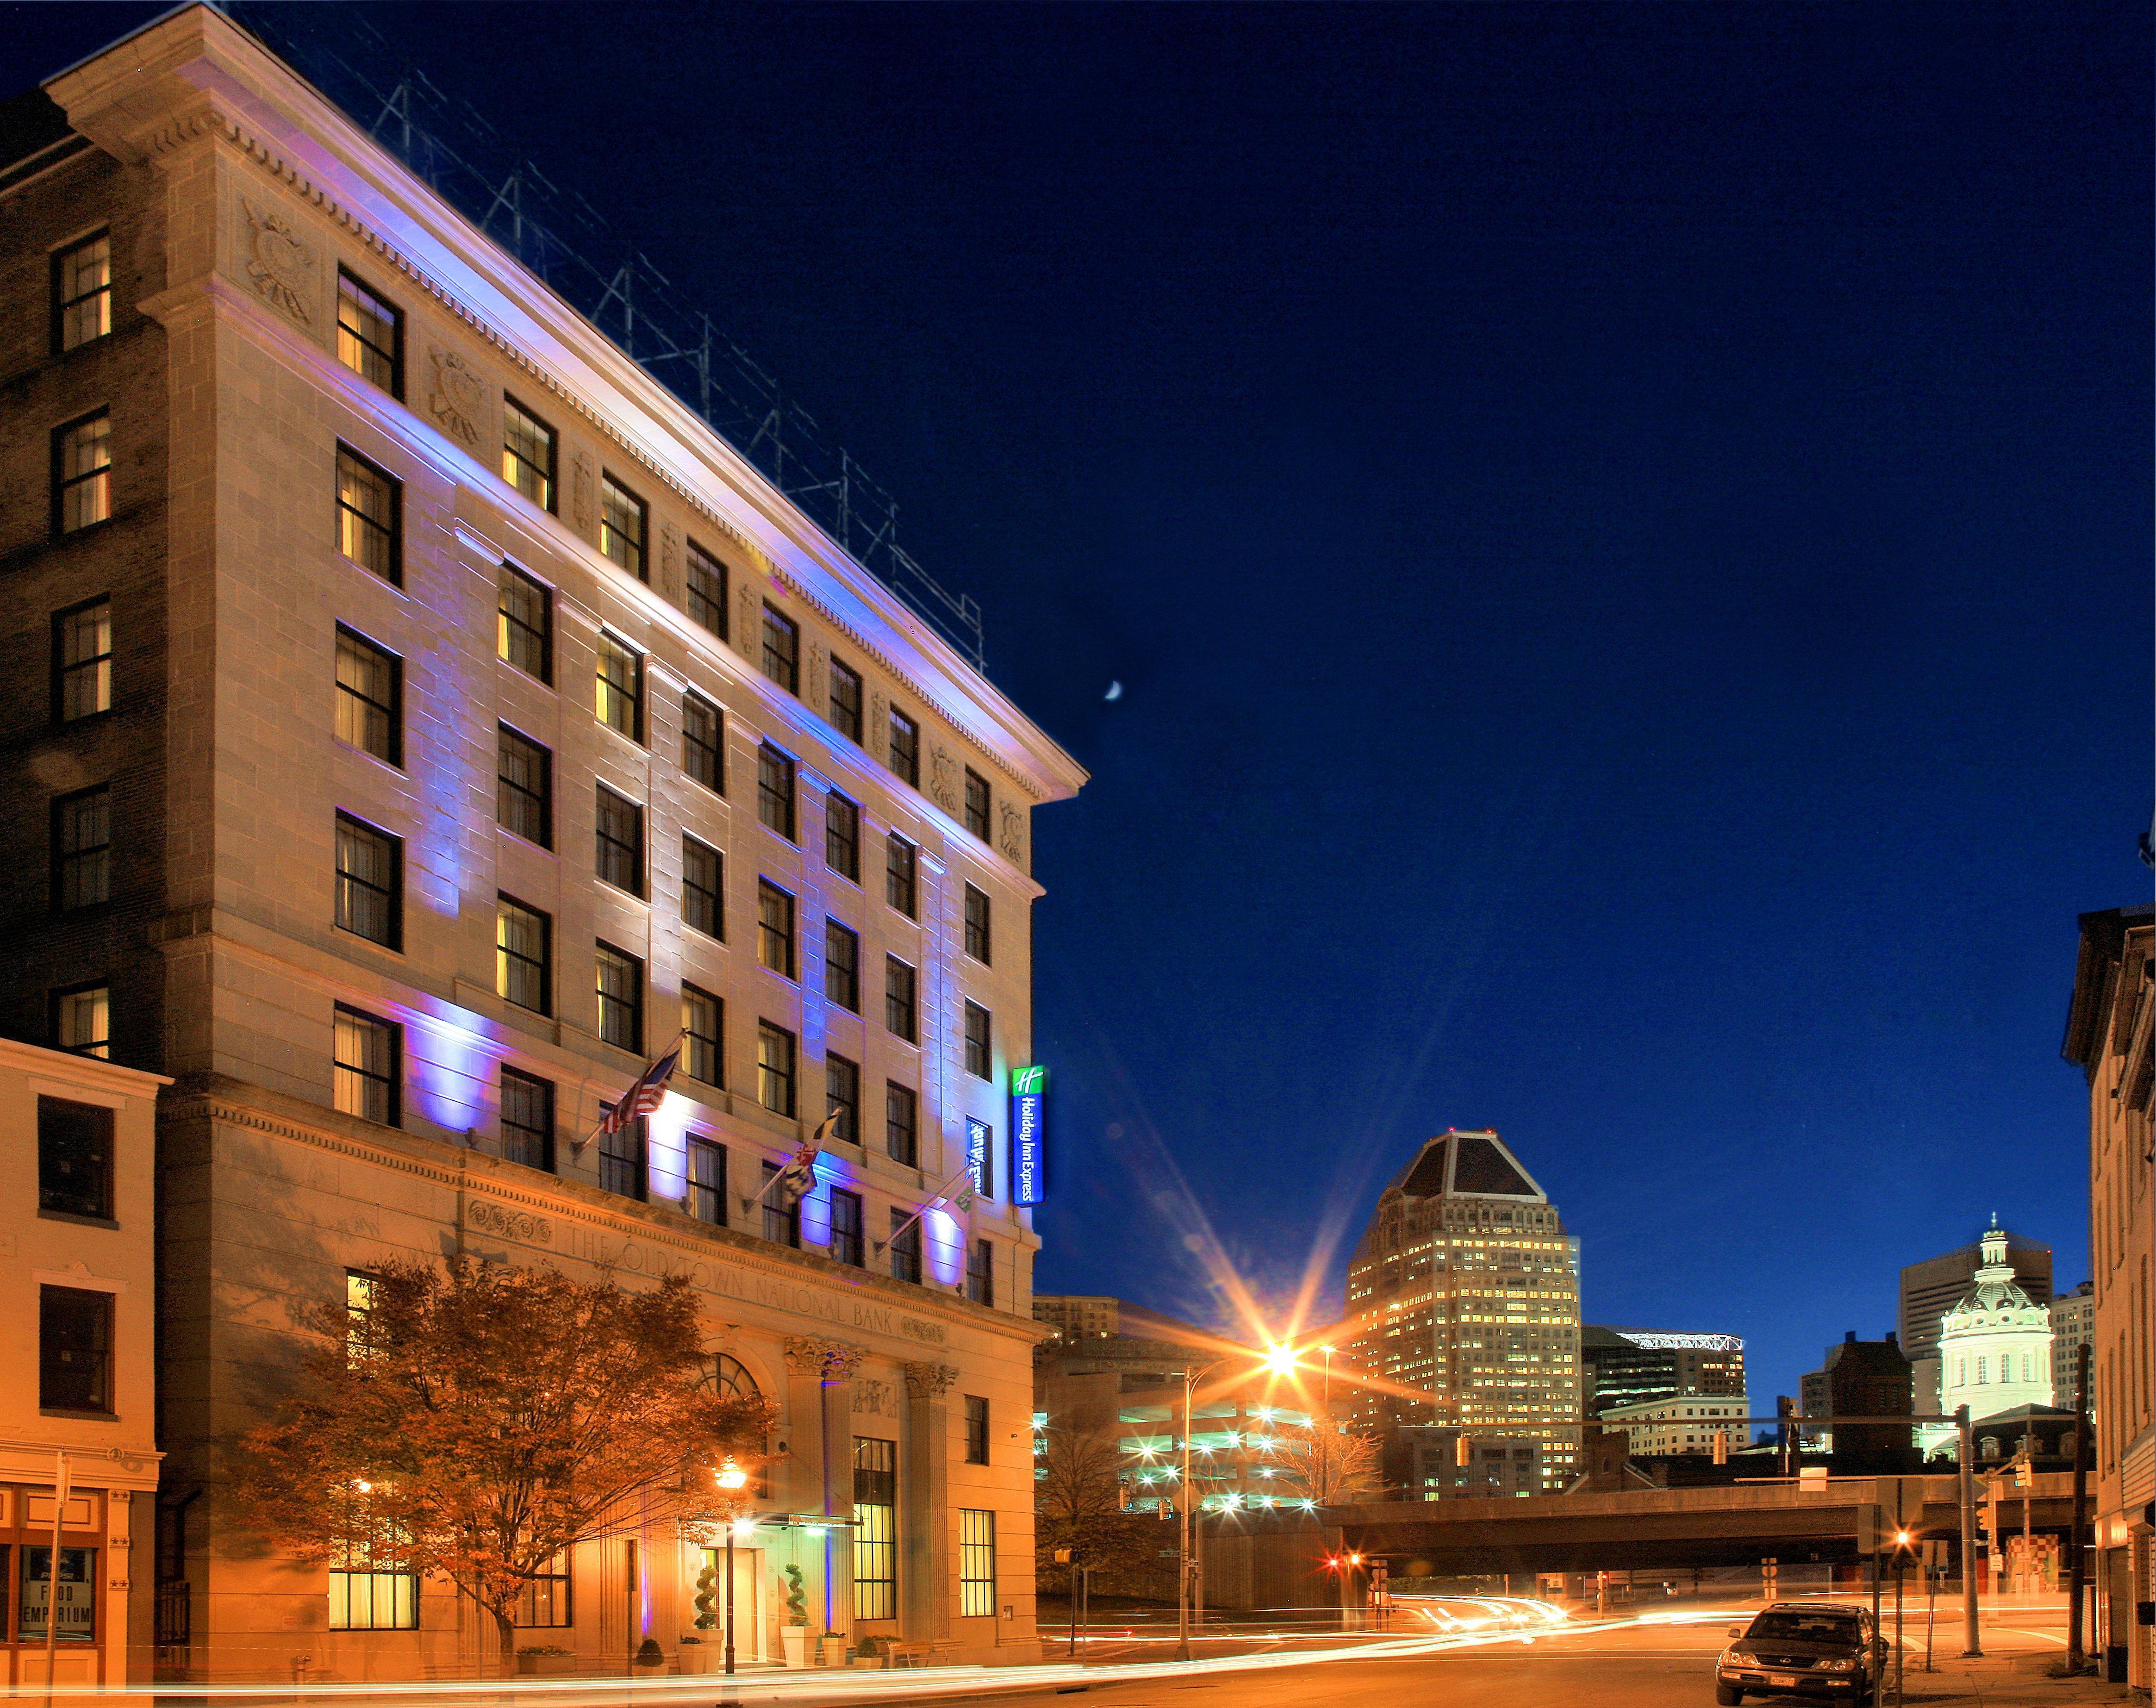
x=796 y=1639
x=831 y=1651
x=701 y=1657
x=545 y=1665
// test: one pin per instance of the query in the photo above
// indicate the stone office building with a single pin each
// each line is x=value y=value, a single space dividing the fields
x=417 y=721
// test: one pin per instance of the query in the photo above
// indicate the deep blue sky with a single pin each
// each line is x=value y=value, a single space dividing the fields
x=1623 y=530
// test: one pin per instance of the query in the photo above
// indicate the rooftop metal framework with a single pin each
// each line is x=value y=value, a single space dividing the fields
x=446 y=142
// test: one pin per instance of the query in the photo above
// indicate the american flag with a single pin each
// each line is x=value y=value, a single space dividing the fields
x=645 y=1096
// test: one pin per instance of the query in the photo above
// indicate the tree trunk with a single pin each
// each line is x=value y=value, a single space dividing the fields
x=504 y=1633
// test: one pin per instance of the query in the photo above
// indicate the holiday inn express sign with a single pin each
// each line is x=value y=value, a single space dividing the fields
x=1029 y=1134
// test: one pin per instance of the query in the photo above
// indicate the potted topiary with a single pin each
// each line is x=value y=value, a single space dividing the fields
x=544 y=1660
x=795 y=1635
x=650 y=1656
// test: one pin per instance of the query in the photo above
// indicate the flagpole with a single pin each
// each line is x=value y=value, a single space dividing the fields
x=814 y=1148
x=942 y=1195
x=576 y=1146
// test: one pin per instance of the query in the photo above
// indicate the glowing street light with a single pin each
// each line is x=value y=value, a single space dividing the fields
x=1281 y=1361
x=732 y=1478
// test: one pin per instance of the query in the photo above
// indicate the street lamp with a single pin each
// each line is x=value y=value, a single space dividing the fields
x=733 y=1479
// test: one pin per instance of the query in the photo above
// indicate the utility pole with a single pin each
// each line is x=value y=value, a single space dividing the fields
x=1971 y=1645
x=2076 y=1556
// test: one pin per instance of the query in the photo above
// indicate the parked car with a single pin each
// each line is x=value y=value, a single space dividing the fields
x=1801 y=1649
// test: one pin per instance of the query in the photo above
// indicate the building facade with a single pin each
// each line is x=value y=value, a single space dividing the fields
x=2108 y=1029
x=78 y=1262
x=1623 y=1367
x=1994 y=1347
x=1933 y=1287
x=1684 y=1424
x=441 y=723
x=2073 y=1326
x=1863 y=1379
x=1072 y=1317
x=1463 y=1303
x=1425 y=1461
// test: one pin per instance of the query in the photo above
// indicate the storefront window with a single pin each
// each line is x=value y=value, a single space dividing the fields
x=77 y=1600
x=875 y=1510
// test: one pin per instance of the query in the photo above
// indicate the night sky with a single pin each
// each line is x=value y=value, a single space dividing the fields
x=1623 y=533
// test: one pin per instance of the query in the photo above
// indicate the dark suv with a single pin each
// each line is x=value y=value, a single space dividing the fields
x=1801 y=1649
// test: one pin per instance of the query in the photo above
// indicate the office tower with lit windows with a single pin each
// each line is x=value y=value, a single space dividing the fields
x=418 y=720
x=1463 y=1304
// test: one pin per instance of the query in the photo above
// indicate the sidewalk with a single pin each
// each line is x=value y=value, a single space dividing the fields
x=2014 y=1681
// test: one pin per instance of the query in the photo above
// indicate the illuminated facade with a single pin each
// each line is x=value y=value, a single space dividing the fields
x=1681 y=1424
x=2109 y=1028
x=1465 y=1288
x=1994 y=1347
x=441 y=723
x=1624 y=1366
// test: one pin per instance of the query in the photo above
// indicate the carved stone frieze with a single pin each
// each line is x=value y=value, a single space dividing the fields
x=458 y=398
x=943 y=780
x=877 y=1397
x=816 y=675
x=1013 y=839
x=927 y=1380
x=281 y=265
x=751 y=624
x=670 y=560
x=814 y=1354
x=487 y=1216
x=879 y=725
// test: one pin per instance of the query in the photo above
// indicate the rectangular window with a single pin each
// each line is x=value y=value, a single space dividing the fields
x=846 y=1227
x=523 y=627
x=782 y=1223
x=906 y=746
x=370 y=515
x=362 y=1600
x=898 y=1003
x=370 y=336
x=82 y=661
x=707 y=1181
x=364 y=1073
x=359 y=1286
x=901 y=884
x=522 y=960
x=774 y=790
x=703 y=737
x=625 y=520
x=75 y=1595
x=842 y=1096
x=782 y=649
x=846 y=702
x=977 y=923
x=370 y=694
x=74 y=1158
x=527 y=1120
x=524 y=787
x=74 y=1350
x=774 y=928
x=977 y=803
x=618 y=831
x=707 y=590
x=904 y=1246
x=901 y=1124
x=82 y=293
x=977 y=1564
x=621 y=998
x=703 y=904
x=620 y=704
x=842 y=836
x=775 y=1056
x=981 y=1273
x=82 y=473
x=530 y=454
x=624 y=1160
x=875 y=1528
x=542 y=1604
x=82 y=850
x=703 y=1023
x=842 y=965
x=977 y=1429
x=82 y=1020
x=369 y=874
x=979 y=1053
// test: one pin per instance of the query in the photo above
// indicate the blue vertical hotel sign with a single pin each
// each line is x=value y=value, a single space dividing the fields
x=1029 y=1134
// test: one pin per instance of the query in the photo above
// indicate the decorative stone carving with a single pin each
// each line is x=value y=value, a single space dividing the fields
x=877 y=1397
x=583 y=485
x=943 y=780
x=1013 y=840
x=670 y=560
x=458 y=398
x=914 y=1329
x=879 y=726
x=840 y=1362
x=813 y=1354
x=751 y=626
x=816 y=700
x=486 y=1217
x=929 y=1381
x=281 y=264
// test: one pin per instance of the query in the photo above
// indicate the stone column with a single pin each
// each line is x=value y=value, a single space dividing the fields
x=840 y=1364
x=925 y=1581
x=803 y=1481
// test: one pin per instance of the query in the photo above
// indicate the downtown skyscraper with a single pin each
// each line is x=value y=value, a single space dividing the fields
x=1463 y=1303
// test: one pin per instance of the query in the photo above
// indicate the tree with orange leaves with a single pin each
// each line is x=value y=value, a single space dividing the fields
x=477 y=1420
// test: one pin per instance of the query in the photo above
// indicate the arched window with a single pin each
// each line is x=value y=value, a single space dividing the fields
x=1980 y=1369
x=2028 y=1367
x=729 y=1378
x=1961 y=1372
x=1989 y=1448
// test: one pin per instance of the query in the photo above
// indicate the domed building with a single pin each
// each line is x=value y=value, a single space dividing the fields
x=1994 y=1347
